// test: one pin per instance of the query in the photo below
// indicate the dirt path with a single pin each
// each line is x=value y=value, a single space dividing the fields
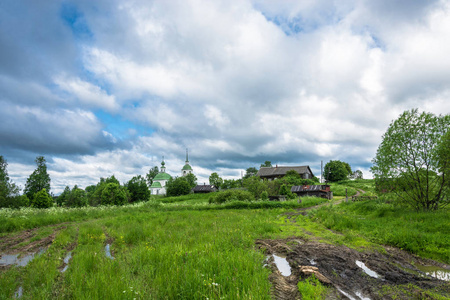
x=350 y=274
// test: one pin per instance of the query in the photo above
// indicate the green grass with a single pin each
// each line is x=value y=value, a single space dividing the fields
x=312 y=289
x=421 y=233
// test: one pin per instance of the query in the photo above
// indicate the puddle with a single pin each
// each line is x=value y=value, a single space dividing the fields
x=361 y=296
x=13 y=259
x=66 y=261
x=108 y=251
x=358 y=294
x=435 y=272
x=282 y=265
x=367 y=270
x=19 y=293
x=312 y=262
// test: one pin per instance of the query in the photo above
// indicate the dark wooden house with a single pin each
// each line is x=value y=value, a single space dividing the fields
x=322 y=190
x=205 y=188
x=271 y=173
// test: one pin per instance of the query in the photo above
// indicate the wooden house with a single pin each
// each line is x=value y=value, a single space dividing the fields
x=205 y=188
x=322 y=190
x=271 y=173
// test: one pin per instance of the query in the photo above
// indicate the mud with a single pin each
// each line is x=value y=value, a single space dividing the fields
x=21 y=248
x=343 y=271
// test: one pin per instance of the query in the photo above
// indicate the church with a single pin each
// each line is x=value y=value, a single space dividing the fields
x=158 y=186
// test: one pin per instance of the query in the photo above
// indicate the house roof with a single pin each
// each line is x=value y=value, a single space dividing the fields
x=308 y=188
x=281 y=171
x=203 y=188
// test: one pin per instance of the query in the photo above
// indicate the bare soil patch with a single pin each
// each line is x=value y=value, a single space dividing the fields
x=337 y=267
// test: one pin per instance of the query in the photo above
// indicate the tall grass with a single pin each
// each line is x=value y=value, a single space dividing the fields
x=421 y=233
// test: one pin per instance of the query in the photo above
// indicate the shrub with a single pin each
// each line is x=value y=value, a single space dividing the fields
x=231 y=195
x=42 y=200
x=114 y=194
x=264 y=195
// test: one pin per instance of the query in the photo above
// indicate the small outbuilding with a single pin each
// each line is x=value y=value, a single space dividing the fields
x=205 y=188
x=322 y=190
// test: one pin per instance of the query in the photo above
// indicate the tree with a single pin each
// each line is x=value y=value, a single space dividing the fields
x=151 y=174
x=42 y=199
x=113 y=193
x=266 y=164
x=358 y=174
x=95 y=195
x=413 y=158
x=38 y=180
x=250 y=172
x=177 y=187
x=63 y=197
x=9 y=192
x=215 y=180
x=191 y=180
x=138 y=189
x=336 y=170
x=255 y=186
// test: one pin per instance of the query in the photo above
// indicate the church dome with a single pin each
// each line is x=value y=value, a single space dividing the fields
x=162 y=176
x=187 y=167
x=156 y=184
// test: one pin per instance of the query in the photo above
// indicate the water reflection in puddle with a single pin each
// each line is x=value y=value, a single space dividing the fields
x=435 y=272
x=66 y=262
x=358 y=294
x=18 y=293
x=367 y=270
x=108 y=252
x=13 y=259
x=282 y=265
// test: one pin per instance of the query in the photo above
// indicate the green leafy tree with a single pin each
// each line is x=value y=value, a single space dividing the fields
x=412 y=160
x=76 y=198
x=231 y=184
x=191 y=180
x=38 y=180
x=61 y=199
x=151 y=174
x=138 y=189
x=9 y=192
x=255 y=186
x=266 y=164
x=215 y=180
x=336 y=170
x=42 y=199
x=177 y=187
x=358 y=174
x=114 y=194
x=250 y=172
x=95 y=196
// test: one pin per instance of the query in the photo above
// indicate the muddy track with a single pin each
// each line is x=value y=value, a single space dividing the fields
x=350 y=274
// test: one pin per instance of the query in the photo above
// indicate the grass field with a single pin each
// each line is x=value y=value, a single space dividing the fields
x=186 y=248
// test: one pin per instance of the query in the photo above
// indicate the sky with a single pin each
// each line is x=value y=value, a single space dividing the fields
x=109 y=87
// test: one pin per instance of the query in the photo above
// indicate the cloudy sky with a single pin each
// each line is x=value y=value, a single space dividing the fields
x=109 y=87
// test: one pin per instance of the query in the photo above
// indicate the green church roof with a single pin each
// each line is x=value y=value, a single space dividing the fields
x=187 y=167
x=156 y=184
x=162 y=176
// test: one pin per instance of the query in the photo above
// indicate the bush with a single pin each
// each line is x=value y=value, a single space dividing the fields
x=231 y=195
x=178 y=186
x=264 y=195
x=42 y=200
x=114 y=194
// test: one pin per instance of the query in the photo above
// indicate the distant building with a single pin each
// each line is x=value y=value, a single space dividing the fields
x=158 y=186
x=321 y=190
x=187 y=169
x=271 y=173
x=205 y=188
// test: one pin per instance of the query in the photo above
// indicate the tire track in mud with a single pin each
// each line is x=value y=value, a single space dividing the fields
x=348 y=272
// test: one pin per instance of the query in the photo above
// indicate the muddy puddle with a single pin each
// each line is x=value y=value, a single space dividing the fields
x=350 y=274
x=282 y=265
x=108 y=251
x=66 y=261
x=18 y=293
x=19 y=259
